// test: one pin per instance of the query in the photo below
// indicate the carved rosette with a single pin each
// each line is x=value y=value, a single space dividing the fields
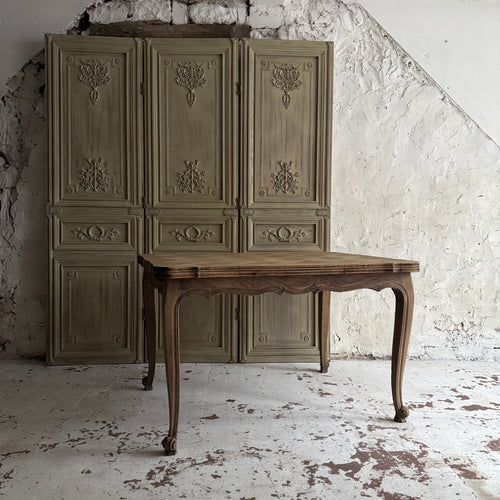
x=285 y=181
x=192 y=234
x=94 y=73
x=118 y=274
x=305 y=337
x=286 y=77
x=190 y=76
x=94 y=177
x=71 y=275
x=284 y=234
x=95 y=233
x=191 y=179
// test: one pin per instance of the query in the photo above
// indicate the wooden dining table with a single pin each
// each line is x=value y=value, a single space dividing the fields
x=178 y=275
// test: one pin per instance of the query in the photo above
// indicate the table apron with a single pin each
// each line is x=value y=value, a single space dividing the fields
x=281 y=284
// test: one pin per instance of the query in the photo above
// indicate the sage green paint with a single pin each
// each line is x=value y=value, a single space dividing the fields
x=234 y=157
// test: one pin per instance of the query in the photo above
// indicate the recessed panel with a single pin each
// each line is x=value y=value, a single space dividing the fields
x=192 y=136
x=286 y=122
x=95 y=229
x=285 y=234
x=95 y=308
x=207 y=329
x=282 y=326
x=193 y=233
x=96 y=134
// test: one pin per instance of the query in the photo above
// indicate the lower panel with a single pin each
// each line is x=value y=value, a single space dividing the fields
x=280 y=328
x=208 y=329
x=94 y=316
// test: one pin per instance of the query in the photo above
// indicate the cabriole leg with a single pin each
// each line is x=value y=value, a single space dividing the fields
x=401 y=339
x=150 y=327
x=324 y=331
x=172 y=361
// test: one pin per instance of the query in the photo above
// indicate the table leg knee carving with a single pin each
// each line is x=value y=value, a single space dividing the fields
x=402 y=414
x=170 y=445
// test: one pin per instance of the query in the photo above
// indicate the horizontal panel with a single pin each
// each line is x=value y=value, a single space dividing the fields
x=96 y=229
x=287 y=233
x=96 y=120
x=94 y=308
x=188 y=231
x=192 y=110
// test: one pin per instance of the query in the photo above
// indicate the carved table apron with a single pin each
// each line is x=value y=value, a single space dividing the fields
x=178 y=275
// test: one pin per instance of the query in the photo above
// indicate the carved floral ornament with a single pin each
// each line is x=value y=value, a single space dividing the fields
x=192 y=234
x=285 y=180
x=286 y=77
x=95 y=233
x=191 y=179
x=190 y=76
x=284 y=234
x=95 y=74
x=94 y=177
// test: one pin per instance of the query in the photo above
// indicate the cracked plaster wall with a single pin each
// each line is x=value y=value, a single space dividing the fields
x=413 y=177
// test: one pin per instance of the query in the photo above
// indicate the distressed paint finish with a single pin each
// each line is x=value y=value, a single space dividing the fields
x=262 y=431
x=412 y=176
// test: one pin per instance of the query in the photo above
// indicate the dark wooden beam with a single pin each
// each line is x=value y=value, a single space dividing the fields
x=158 y=29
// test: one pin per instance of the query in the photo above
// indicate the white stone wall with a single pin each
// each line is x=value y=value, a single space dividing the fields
x=413 y=177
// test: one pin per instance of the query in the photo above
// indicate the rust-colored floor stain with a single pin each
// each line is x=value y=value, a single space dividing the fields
x=251 y=431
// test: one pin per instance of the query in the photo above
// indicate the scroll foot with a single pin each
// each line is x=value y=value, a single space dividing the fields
x=401 y=414
x=148 y=386
x=170 y=445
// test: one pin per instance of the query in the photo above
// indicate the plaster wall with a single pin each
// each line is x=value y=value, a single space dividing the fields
x=413 y=177
x=458 y=43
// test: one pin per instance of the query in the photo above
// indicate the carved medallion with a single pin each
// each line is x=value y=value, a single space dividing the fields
x=306 y=337
x=285 y=180
x=94 y=73
x=284 y=234
x=94 y=177
x=96 y=233
x=190 y=76
x=286 y=77
x=192 y=233
x=191 y=179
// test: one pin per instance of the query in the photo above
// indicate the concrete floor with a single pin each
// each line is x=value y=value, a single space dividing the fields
x=250 y=431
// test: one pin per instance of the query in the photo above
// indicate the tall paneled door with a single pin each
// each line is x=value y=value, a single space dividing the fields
x=183 y=145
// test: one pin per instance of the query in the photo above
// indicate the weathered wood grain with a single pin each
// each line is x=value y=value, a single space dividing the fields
x=206 y=265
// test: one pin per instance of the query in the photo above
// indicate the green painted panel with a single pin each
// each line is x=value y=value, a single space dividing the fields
x=94 y=308
x=95 y=108
x=193 y=172
x=95 y=209
x=92 y=228
x=192 y=116
x=286 y=163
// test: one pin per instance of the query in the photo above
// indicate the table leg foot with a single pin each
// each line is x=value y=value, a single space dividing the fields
x=402 y=414
x=148 y=386
x=170 y=445
x=324 y=367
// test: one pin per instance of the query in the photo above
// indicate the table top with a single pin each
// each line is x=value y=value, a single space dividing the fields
x=221 y=265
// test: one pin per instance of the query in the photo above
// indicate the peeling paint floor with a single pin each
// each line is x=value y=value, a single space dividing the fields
x=251 y=431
